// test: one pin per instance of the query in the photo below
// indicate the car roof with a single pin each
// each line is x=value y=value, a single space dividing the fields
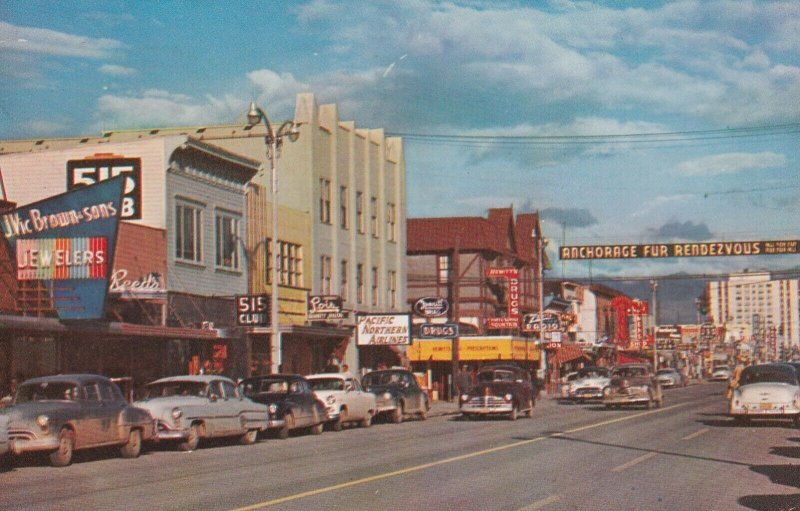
x=204 y=378
x=340 y=376
x=72 y=378
x=393 y=370
x=276 y=376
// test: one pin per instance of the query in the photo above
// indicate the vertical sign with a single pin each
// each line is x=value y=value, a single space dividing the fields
x=102 y=166
x=511 y=320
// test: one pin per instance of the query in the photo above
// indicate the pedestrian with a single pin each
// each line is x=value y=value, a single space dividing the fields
x=332 y=365
x=463 y=380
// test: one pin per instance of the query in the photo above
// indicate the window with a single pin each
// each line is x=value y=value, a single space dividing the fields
x=391 y=222
x=226 y=232
x=391 y=289
x=360 y=212
x=325 y=275
x=360 y=283
x=374 y=285
x=343 y=291
x=373 y=212
x=344 y=222
x=290 y=264
x=324 y=200
x=188 y=229
x=443 y=274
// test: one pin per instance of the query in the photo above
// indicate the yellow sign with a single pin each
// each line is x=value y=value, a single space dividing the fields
x=656 y=250
x=473 y=350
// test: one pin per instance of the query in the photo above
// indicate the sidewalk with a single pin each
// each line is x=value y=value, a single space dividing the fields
x=441 y=408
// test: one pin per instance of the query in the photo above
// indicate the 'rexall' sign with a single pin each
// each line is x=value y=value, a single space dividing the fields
x=659 y=250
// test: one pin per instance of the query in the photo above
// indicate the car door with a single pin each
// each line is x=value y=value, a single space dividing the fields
x=93 y=423
x=218 y=416
x=232 y=407
x=298 y=400
x=355 y=399
x=412 y=391
x=113 y=406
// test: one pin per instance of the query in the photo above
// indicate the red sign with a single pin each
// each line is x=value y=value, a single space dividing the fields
x=512 y=320
x=502 y=273
x=502 y=323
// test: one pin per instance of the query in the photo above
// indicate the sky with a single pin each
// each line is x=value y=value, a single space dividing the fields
x=620 y=122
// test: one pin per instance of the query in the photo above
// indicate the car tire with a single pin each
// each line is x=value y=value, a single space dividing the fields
x=422 y=414
x=192 y=441
x=133 y=447
x=288 y=425
x=338 y=424
x=397 y=414
x=317 y=428
x=366 y=421
x=513 y=415
x=249 y=438
x=62 y=456
x=529 y=411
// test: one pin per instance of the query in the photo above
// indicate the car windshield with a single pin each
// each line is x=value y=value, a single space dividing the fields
x=499 y=375
x=666 y=371
x=721 y=368
x=381 y=379
x=592 y=372
x=175 y=388
x=627 y=372
x=268 y=386
x=326 y=383
x=47 y=391
x=768 y=374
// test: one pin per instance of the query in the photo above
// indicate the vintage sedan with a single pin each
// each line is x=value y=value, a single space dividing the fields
x=502 y=389
x=189 y=409
x=397 y=393
x=589 y=383
x=292 y=404
x=633 y=384
x=670 y=377
x=346 y=401
x=720 y=373
x=64 y=413
x=766 y=391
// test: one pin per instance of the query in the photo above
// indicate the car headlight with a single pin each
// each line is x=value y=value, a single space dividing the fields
x=177 y=413
x=508 y=397
x=273 y=409
x=387 y=395
x=464 y=397
x=606 y=391
x=330 y=400
x=43 y=421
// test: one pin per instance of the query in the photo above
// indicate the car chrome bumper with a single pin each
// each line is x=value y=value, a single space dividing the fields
x=22 y=445
x=629 y=399
x=275 y=423
x=770 y=410
x=487 y=410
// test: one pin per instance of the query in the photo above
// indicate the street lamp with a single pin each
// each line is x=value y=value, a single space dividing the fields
x=540 y=242
x=273 y=141
x=654 y=313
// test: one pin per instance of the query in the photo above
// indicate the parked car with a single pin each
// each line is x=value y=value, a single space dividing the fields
x=502 y=389
x=397 y=393
x=720 y=373
x=588 y=383
x=68 y=412
x=670 y=377
x=291 y=401
x=633 y=384
x=344 y=398
x=565 y=381
x=191 y=408
x=766 y=391
x=5 y=443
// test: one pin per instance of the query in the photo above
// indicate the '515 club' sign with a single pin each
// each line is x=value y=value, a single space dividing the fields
x=100 y=167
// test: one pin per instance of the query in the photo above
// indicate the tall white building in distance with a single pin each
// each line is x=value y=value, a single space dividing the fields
x=753 y=304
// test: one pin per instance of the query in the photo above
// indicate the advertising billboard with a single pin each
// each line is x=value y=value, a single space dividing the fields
x=67 y=242
x=659 y=250
x=383 y=329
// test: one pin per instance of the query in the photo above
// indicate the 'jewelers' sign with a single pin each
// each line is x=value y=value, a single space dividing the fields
x=67 y=242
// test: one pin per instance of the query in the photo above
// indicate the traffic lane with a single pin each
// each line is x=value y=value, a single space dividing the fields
x=515 y=475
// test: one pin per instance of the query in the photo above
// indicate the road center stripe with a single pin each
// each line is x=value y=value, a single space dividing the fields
x=643 y=457
x=539 y=504
x=445 y=461
x=695 y=434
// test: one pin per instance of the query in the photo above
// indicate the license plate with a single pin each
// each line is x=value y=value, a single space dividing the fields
x=765 y=406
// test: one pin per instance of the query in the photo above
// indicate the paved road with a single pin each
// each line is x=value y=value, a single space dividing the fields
x=687 y=455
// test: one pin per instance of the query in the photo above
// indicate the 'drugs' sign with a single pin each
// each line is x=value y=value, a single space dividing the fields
x=67 y=242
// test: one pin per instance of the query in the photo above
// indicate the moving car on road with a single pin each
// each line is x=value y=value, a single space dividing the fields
x=397 y=393
x=344 y=398
x=633 y=384
x=64 y=413
x=188 y=409
x=589 y=383
x=670 y=377
x=291 y=401
x=767 y=391
x=502 y=389
x=721 y=373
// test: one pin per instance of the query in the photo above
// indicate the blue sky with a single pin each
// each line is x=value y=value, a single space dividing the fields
x=585 y=87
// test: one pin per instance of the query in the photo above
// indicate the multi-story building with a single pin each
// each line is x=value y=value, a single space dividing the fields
x=349 y=182
x=754 y=307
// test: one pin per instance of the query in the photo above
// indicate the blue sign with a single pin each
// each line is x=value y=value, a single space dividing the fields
x=67 y=242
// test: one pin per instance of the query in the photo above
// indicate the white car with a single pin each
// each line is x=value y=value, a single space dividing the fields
x=589 y=384
x=721 y=373
x=766 y=391
x=345 y=400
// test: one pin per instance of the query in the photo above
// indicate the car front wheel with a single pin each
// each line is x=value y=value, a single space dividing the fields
x=288 y=425
x=66 y=446
x=366 y=421
x=513 y=415
x=134 y=445
x=250 y=437
x=191 y=442
x=397 y=414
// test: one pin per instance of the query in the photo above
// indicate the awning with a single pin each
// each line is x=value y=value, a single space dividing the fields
x=30 y=324
x=566 y=353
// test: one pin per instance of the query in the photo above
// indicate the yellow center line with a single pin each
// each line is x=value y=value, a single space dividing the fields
x=417 y=468
x=643 y=457
x=539 y=504
x=695 y=434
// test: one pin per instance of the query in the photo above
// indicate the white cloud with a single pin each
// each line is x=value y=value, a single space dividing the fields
x=50 y=42
x=660 y=202
x=730 y=163
x=115 y=70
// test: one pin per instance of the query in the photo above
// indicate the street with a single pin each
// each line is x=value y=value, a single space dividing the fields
x=686 y=455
